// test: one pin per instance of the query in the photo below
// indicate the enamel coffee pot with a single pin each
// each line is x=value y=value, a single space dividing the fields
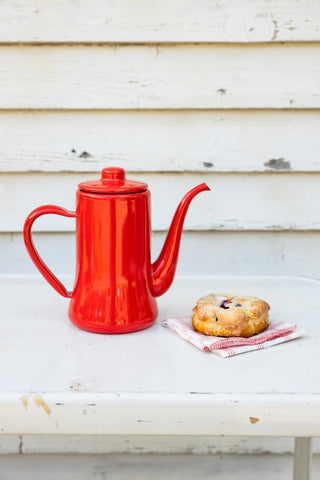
x=116 y=284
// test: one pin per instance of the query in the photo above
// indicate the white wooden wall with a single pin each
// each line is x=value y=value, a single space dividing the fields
x=177 y=92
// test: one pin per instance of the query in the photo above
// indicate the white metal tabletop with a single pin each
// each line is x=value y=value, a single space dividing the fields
x=56 y=378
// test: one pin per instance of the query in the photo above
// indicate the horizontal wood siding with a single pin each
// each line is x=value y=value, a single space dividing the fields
x=154 y=21
x=160 y=77
x=236 y=202
x=161 y=141
x=176 y=94
x=201 y=253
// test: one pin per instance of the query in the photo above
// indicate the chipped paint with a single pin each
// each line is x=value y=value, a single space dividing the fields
x=278 y=164
x=38 y=400
x=25 y=399
x=85 y=154
x=275 y=29
x=79 y=387
x=254 y=419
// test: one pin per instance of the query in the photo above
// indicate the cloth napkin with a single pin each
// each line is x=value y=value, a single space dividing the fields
x=277 y=332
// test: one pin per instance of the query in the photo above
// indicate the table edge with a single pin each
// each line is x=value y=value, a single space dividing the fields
x=116 y=413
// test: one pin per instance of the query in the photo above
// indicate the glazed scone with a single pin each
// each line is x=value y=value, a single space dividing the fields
x=230 y=315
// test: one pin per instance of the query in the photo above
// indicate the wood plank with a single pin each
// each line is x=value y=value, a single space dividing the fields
x=159 y=77
x=219 y=141
x=174 y=444
x=201 y=253
x=237 y=201
x=145 y=21
x=159 y=444
x=142 y=467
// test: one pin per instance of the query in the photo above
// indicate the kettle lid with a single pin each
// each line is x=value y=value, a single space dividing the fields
x=113 y=180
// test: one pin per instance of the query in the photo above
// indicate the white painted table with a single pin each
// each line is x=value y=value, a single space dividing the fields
x=57 y=379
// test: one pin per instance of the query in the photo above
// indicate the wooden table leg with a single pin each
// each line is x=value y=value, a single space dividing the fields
x=302 y=458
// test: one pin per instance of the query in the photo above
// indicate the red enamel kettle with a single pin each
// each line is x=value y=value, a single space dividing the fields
x=115 y=284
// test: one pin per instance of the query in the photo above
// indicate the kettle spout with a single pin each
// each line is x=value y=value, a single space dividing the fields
x=163 y=269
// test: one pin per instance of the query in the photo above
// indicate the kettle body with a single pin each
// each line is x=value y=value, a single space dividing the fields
x=116 y=284
x=113 y=287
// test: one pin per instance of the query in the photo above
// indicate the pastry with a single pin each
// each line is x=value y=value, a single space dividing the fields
x=230 y=315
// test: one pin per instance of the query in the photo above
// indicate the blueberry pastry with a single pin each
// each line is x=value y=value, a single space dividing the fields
x=229 y=315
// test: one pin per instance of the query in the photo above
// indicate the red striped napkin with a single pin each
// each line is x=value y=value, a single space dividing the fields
x=277 y=332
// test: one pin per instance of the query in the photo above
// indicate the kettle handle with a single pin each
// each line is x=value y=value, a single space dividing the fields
x=35 y=257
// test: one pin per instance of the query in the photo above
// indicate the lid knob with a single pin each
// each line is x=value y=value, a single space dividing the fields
x=112 y=173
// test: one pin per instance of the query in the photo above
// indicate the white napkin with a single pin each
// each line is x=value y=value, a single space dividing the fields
x=277 y=332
